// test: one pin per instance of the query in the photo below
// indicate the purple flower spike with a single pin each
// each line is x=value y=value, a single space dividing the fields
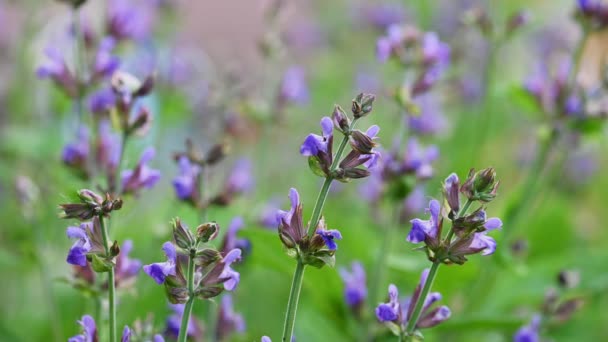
x=355 y=291
x=105 y=62
x=127 y=20
x=229 y=321
x=174 y=322
x=159 y=271
x=75 y=154
x=530 y=332
x=102 y=101
x=484 y=243
x=228 y=273
x=422 y=229
x=294 y=87
x=434 y=50
x=314 y=144
x=185 y=184
x=142 y=176
x=329 y=236
x=89 y=333
x=240 y=179
x=126 y=334
x=126 y=268
x=419 y=159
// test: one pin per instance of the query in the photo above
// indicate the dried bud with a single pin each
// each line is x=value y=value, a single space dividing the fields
x=209 y=292
x=176 y=295
x=142 y=122
x=182 y=235
x=80 y=211
x=516 y=21
x=217 y=153
x=207 y=231
x=474 y=222
x=114 y=249
x=361 y=142
x=109 y=204
x=362 y=105
x=354 y=173
x=568 y=279
x=146 y=87
x=565 y=310
x=340 y=119
x=207 y=257
x=450 y=191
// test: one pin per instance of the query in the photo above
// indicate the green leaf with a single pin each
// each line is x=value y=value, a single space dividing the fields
x=100 y=264
x=315 y=166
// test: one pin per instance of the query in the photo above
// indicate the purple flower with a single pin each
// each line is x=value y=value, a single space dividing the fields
x=435 y=52
x=479 y=242
x=159 y=271
x=126 y=268
x=88 y=239
x=329 y=236
x=128 y=21
x=232 y=277
x=186 y=183
x=530 y=332
x=385 y=45
x=265 y=339
x=422 y=229
x=240 y=179
x=142 y=176
x=268 y=217
x=355 y=291
x=315 y=144
x=294 y=87
x=380 y=16
x=108 y=147
x=126 y=334
x=431 y=119
x=414 y=202
x=105 y=62
x=174 y=321
x=102 y=101
x=89 y=333
x=228 y=321
x=419 y=160
x=75 y=154
x=400 y=312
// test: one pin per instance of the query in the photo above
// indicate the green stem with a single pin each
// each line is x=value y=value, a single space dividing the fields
x=121 y=157
x=298 y=277
x=292 y=304
x=183 y=329
x=111 y=283
x=411 y=324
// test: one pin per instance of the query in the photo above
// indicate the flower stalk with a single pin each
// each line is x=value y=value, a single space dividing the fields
x=183 y=330
x=111 y=283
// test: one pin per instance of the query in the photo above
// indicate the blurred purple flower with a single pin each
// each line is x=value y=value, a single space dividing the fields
x=230 y=239
x=431 y=119
x=126 y=334
x=108 y=147
x=435 y=51
x=173 y=323
x=419 y=160
x=294 y=87
x=105 y=62
x=186 y=183
x=75 y=154
x=268 y=217
x=530 y=332
x=414 y=202
x=381 y=15
x=56 y=69
x=89 y=333
x=79 y=250
x=142 y=176
x=355 y=288
x=159 y=271
x=102 y=101
x=305 y=36
x=129 y=19
x=367 y=82
x=232 y=277
x=581 y=166
x=126 y=268
x=228 y=321
x=240 y=179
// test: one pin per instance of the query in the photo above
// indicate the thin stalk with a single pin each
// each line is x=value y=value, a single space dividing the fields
x=183 y=329
x=411 y=324
x=381 y=259
x=298 y=277
x=203 y=192
x=121 y=157
x=111 y=283
x=78 y=66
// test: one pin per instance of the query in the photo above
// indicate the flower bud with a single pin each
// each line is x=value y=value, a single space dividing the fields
x=207 y=231
x=176 y=295
x=481 y=186
x=362 y=105
x=209 y=292
x=142 y=122
x=207 y=257
x=362 y=143
x=88 y=196
x=80 y=211
x=450 y=191
x=340 y=119
x=114 y=249
x=182 y=235
x=217 y=153
x=355 y=173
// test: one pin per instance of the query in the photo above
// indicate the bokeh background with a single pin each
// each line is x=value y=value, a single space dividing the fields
x=207 y=57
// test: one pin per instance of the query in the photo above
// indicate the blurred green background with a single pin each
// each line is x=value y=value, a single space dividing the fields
x=490 y=297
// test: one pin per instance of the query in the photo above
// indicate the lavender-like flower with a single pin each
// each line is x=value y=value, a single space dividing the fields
x=530 y=332
x=329 y=237
x=76 y=154
x=294 y=88
x=230 y=239
x=125 y=20
x=228 y=321
x=380 y=16
x=89 y=333
x=419 y=160
x=399 y=313
x=240 y=179
x=319 y=145
x=126 y=334
x=159 y=271
x=194 y=329
x=355 y=289
x=56 y=69
x=142 y=176
x=126 y=268
x=105 y=62
x=88 y=240
x=102 y=101
x=186 y=183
